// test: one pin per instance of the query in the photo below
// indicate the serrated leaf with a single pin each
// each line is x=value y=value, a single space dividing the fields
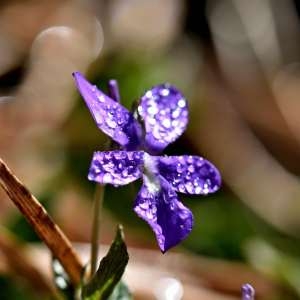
x=62 y=280
x=121 y=292
x=110 y=271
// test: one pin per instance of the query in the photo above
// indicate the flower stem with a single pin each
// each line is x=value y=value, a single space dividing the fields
x=98 y=203
x=113 y=90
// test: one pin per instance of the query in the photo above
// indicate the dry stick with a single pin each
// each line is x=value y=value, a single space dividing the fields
x=42 y=223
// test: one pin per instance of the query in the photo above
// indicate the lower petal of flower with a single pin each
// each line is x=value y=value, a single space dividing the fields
x=170 y=220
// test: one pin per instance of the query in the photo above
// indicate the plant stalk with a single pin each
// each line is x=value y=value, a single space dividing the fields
x=95 y=239
x=113 y=91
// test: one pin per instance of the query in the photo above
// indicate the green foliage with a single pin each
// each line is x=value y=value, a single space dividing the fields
x=220 y=228
x=121 y=292
x=276 y=264
x=110 y=271
x=10 y=290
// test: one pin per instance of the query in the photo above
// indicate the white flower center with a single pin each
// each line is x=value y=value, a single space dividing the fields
x=151 y=173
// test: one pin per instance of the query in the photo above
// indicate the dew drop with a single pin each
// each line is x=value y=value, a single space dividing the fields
x=151 y=121
x=149 y=94
x=166 y=123
x=190 y=159
x=164 y=92
x=125 y=173
x=179 y=168
x=181 y=103
x=111 y=123
x=144 y=205
x=107 y=178
x=152 y=110
x=189 y=187
x=191 y=168
x=176 y=113
x=181 y=188
x=198 y=190
x=172 y=206
x=149 y=214
x=101 y=98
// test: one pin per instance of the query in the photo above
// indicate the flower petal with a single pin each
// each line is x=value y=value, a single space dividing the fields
x=190 y=174
x=164 y=111
x=111 y=117
x=170 y=220
x=116 y=167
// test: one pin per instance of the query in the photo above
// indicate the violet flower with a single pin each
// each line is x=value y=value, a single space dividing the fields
x=163 y=111
x=248 y=292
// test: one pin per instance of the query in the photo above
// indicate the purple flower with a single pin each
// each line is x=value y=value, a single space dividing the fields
x=163 y=111
x=248 y=292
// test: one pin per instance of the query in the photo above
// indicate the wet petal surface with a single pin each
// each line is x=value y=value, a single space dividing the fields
x=165 y=114
x=190 y=174
x=116 y=167
x=111 y=117
x=170 y=220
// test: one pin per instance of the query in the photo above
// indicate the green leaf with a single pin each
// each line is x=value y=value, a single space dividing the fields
x=121 y=292
x=110 y=271
x=62 y=280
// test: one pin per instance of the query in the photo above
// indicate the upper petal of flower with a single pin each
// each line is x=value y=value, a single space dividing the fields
x=111 y=117
x=116 y=167
x=165 y=114
x=190 y=174
x=170 y=220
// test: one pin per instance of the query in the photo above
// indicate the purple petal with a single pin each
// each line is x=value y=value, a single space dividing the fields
x=190 y=174
x=248 y=292
x=164 y=111
x=113 y=89
x=116 y=167
x=170 y=220
x=111 y=117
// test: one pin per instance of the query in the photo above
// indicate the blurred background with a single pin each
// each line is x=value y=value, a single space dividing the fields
x=237 y=63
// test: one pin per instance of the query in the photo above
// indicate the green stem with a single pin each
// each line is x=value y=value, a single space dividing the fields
x=99 y=194
x=98 y=203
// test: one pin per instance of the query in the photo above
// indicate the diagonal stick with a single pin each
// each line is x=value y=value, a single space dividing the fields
x=42 y=223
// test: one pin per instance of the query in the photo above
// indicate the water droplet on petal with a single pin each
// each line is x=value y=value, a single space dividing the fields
x=176 y=113
x=198 y=190
x=111 y=123
x=191 y=168
x=166 y=123
x=181 y=188
x=149 y=214
x=144 y=205
x=181 y=103
x=152 y=110
x=189 y=187
x=164 y=92
x=107 y=178
x=148 y=94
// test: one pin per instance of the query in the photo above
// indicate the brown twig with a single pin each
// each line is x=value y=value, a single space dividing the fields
x=42 y=223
